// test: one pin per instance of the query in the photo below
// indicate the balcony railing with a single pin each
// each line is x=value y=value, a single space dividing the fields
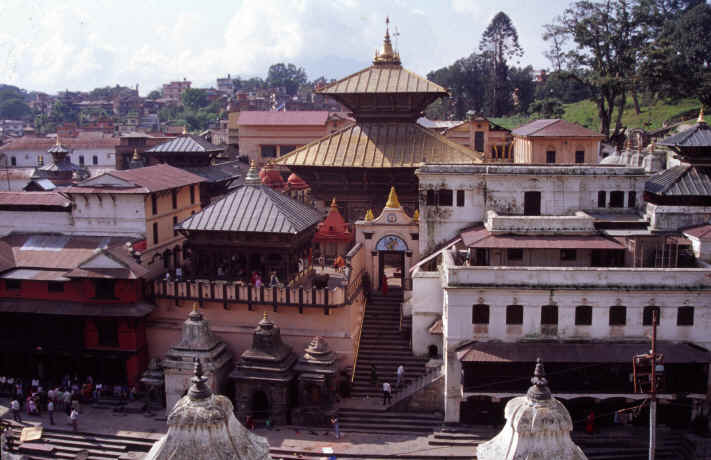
x=231 y=293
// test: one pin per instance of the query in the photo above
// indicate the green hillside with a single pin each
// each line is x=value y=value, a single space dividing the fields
x=585 y=113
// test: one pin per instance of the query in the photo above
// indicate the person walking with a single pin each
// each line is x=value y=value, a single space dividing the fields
x=400 y=374
x=50 y=411
x=15 y=406
x=387 y=393
x=74 y=419
x=336 y=429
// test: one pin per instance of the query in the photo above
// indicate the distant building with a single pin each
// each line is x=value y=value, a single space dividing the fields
x=89 y=149
x=555 y=141
x=226 y=85
x=174 y=90
x=13 y=128
x=477 y=133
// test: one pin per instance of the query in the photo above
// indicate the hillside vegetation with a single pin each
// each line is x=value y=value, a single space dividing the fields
x=584 y=113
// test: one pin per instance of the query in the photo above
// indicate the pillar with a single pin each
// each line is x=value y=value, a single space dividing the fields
x=452 y=383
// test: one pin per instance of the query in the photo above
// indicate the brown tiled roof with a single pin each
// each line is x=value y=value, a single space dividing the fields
x=554 y=128
x=383 y=79
x=380 y=145
x=89 y=140
x=292 y=118
x=702 y=232
x=52 y=199
x=147 y=180
x=588 y=352
x=69 y=308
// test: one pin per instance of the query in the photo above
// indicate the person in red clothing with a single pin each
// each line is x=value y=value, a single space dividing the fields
x=590 y=423
x=384 y=284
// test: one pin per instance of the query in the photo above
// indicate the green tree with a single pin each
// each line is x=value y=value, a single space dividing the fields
x=287 y=75
x=499 y=44
x=15 y=109
x=546 y=108
x=155 y=94
x=194 y=98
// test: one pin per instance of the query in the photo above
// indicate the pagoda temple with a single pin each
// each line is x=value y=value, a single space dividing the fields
x=334 y=235
x=357 y=164
x=61 y=171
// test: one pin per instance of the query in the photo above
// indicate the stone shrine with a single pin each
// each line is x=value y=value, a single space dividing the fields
x=537 y=427
x=202 y=425
x=316 y=384
x=264 y=376
x=197 y=341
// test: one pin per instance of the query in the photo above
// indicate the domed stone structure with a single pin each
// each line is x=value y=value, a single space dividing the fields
x=203 y=426
x=316 y=384
x=271 y=177
x=537 y=427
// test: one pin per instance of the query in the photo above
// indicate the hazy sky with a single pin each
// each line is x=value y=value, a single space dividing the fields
x=79 y=45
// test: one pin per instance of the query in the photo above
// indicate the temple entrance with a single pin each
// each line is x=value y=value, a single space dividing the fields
x=260 y=406
x=391 y=263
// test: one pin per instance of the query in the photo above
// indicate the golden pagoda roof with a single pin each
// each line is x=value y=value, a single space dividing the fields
x=380 y=145
x=382 y=78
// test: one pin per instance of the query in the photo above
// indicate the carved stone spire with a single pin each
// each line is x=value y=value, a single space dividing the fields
x=539 y=391
x=199 y=389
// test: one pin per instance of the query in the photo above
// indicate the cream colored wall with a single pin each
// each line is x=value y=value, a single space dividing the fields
x=236 y=326
x=464 y=135
x=533 y=150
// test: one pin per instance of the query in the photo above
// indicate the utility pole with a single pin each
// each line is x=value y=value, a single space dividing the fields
x=653 y=394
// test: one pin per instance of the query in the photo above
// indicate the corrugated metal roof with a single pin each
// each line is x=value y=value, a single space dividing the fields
x=233 y=170
x=697 y=136
x=591 y=352
x=387 y=79
x=290 y=118
x=438 y=124
x=186 y=144
x=254 y=208
x=482 y=238
x=34 y=199
x=554 y=128
x=35 y=274
x=68 y=308
x=380 y=145
x=681 y=180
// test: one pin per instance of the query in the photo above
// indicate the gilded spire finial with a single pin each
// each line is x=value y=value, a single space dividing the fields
x=393 y=201
x=58 y=143
x=136 y=157
x=185 y=130
x=388 y=56
x=333 y=202
x=369 y=215
x=701 y=115
x=195 y=307
x=252 y=177
x=265 y=317
x=416 y=215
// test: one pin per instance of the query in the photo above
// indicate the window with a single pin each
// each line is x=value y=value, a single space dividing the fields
x=268 y=151
x=617 y=199
x=549 y=314
x=154 y=204
x=431 y=200
x=155 y=233
x=479 y=141
x=631 y=199
x=284 y=149
x=480 y=314
x=580 y=156
x=81 y=160
x=13 y=285
x=550 y=156
x=104 y=288
x=647 y=315
x=192 y=194
x=55 y=286
x=13 y=161
x=175 y=224
x=514 y=254
x=532 y=203
x=618 y=316
x=514 y=314
x=583 y=315
x=174 y=197
x=445 y=197
x=685 y=316
x=94 y=160
x=460 y=198
x=568 y=254
x=108 y=332
x=601 y=199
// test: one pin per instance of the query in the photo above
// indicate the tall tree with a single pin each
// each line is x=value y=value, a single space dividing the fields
x=499 y=44
x=608 y=39
x=286 y=75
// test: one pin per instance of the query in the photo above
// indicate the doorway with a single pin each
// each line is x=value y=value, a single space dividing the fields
x=391 y=271
x=532 y=203
x=260 y=405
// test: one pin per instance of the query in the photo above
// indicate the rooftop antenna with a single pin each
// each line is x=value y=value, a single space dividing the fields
x=396 y=36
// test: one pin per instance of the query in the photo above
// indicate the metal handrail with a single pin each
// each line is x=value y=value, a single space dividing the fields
x=357 y=343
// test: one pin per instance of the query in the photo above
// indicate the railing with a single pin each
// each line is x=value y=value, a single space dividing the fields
x=432 y=375
x=230 y=293
x=356 y=345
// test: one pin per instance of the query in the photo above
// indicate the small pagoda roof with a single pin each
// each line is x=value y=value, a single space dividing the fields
x=254 y=208
x=334 y=227
x=380 y=145
x=383 y=79
x=682 y=180
x=186 y=144
x=697 y=136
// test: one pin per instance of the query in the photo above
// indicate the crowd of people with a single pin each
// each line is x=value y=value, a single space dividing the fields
x=35 y=397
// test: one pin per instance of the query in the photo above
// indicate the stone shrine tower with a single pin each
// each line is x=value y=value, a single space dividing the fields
x=316 y=384
x=202 y=425
x=537 y=426
x=197 y=341
x=264 y=376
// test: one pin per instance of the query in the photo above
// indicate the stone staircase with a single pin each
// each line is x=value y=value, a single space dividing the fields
x=384 y=344
x=388 y=422
x=67 y=444
x=615 y=445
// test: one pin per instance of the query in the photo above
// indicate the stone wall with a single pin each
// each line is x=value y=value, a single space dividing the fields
x=430 y=399
x=695 y=447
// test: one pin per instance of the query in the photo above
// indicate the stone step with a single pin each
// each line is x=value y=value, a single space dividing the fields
x=389 y=415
